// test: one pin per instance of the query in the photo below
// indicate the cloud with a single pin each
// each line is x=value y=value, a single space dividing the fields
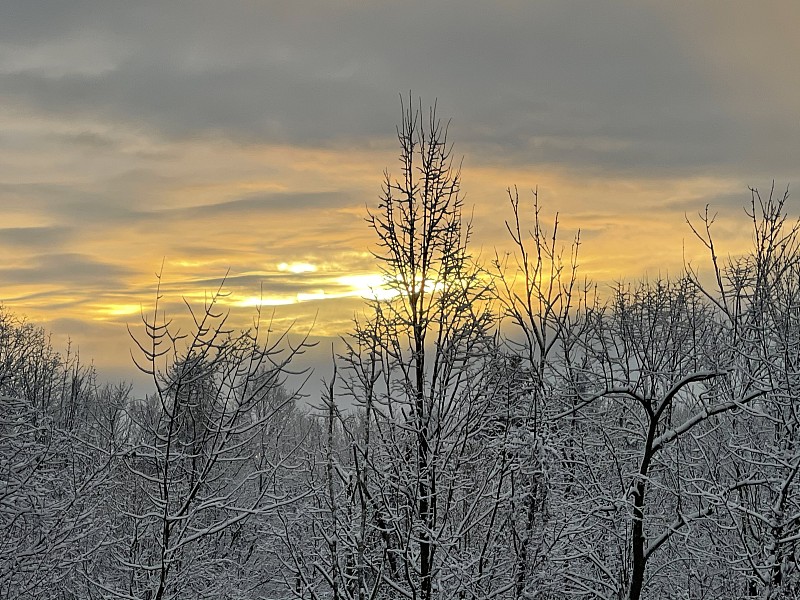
x=233 y=137
x=34 y=238
x=68 y=269
x=623 y=86
x=254 y=205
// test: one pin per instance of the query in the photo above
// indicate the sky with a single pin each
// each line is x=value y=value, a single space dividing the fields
x=248 y=138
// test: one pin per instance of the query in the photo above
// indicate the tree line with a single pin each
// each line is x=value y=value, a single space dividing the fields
x=501 y=430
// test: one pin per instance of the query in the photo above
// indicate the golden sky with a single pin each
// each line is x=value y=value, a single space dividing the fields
x=248 y=138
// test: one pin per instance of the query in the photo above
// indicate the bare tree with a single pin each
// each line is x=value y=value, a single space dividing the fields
x=402 y=494
x=758 y=295
x=541 y=297
x=197 y=462
x=52 y=471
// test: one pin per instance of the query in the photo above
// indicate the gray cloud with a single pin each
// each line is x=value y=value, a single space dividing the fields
x=609 y=86
x=256 y=205
x=34 y=238
x=70 y=270
x=273 y=284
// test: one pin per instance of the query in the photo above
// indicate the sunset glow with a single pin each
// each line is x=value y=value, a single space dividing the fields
x=138 y=140
x=297 y=268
